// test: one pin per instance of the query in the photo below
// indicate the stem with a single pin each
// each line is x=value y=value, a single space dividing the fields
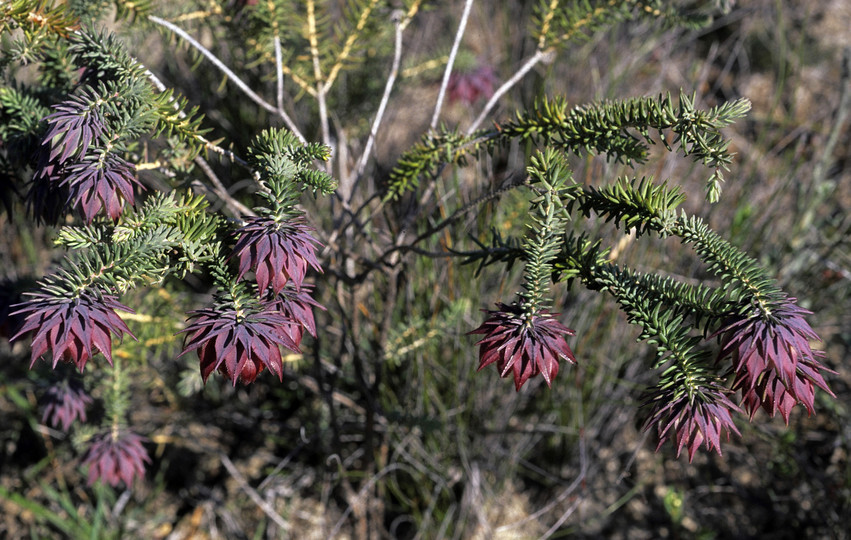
x=539 y=56
x=448 y=71
x=321 y=87
x=350 y=41
x=388 y=87
x=117 y=405
x=227 y=71
x=540 y=249
x=733 y=265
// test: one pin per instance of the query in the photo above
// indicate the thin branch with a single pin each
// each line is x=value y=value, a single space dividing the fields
x=321 y=87
x=842 y=111
x=545 y=24
x=462 y=26
x=361 y=495
x=227 y=71
x=279 y=76
x=252 y=493
x=539 y=56
x=388 y=87
x=219 y=189
x=400 y=247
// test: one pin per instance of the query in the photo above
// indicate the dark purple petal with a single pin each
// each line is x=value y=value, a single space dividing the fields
x=64 y=403
x=773 y=362
x=72 y=328
x=278 y=253
x=692 y=422
x=239 y=347
x=523 y=347
x=116 y=457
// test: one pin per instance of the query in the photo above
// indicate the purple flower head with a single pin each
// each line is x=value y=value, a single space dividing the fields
x=65 y=402
x=73 y=126
x=297 y=306
x=468 y=87
x=68 y=175
x=98 y=182
x=115 y=457
x=74 y=329
x=523 y=345
x=692 y=421
x=775 y=367
x=239 y=345
x=277 y=252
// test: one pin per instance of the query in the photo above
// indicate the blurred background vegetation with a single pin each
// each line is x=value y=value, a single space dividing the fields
x=383 y=428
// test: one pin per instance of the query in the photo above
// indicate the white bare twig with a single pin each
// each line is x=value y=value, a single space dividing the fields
x=227 y=71
x=539 y=56
x=388 y=87
x=462 y=26
x=279 y=93
x=321 y=88
x=236 y=207
x=252 y=493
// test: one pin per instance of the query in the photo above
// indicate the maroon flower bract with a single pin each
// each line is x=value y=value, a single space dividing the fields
x=690 y=422
x=297 y=306
x=239 y=346
x=116 y=457
x=74 y=329
x=65 y=402
x=90 y=181
x=468 y=87
x=100 y=182
x=775 y=367
x=277 y=252
x=523 y=346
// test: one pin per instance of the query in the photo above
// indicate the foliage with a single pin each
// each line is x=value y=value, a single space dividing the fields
x=94 y=145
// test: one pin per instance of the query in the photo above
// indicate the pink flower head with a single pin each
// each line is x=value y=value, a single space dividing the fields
x=523 y=345
x=74 y=329
x=240 y=346
x=68 y=175
x=774 y=365
x=468 y=87
x=98 y=182
x=692 y=421
x=64 y=403
x=76 y=123
x=297 y=306
x=277 y=252
x=116 y=457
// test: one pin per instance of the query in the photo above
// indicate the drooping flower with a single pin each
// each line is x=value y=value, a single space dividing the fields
x=116 y=456
x=775 y=367
x=692 y=421
x=467 y=87
x=75 y=329
x=100 y=181
x=277 y=252
x=523 y=345
x=74 y=125
x=68 y=175
x=65 y=402
x=297 y=306
x=239 y=344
